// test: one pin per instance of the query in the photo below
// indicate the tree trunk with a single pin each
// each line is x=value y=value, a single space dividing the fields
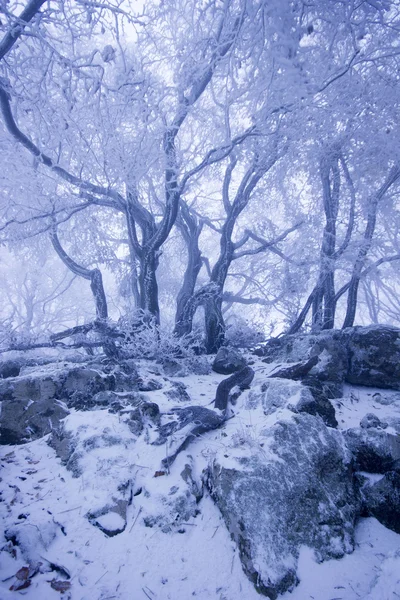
x=214 y=324
x=190 y=229
x=148 y=285
x=392 y=177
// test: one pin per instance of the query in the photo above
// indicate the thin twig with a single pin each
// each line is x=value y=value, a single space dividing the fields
x=137 y=516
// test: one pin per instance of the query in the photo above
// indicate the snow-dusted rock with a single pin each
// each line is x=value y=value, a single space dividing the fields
x=371 y=420
x=297 y=489
x=9 y=368
x=382 y=500
x=374 y=450
x=168 y=506
x=274 y=394
x=34 y=535
x=183 y=426
x=177 y=392
x=359 y=355
x=228 y=361
x=318 y=405
x=374 y=356
x=29 y=409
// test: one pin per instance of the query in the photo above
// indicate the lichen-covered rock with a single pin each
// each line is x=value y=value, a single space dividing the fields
x=382 y=500
x=374 y=450
x=296 y=490
x=228 y=361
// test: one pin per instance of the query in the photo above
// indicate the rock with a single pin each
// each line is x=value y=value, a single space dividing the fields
x=170 y=508
x=374 y=356
x=359 y=355
x=199 y=365
x=382 y=500
x=111 y=519
x=300 y=492
x=29 y=410
x=318 y=405
x=34 y=535
x=81 y=383
x=9 y=368
x=97 y=450
x=384 y=400
x=178 y=392
x=174 y=368
x=149 y=385
x=371 y=420
x=228 y=361
x=374 y=450
x=275 y=394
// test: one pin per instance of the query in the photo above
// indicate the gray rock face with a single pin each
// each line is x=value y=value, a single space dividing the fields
x=31 y=403
x=228 y=361
x=372 y=421
x=300 y=491
x=274 y=394
x=178 y=392
x=29 y=410
x=374 y=450
x=320 y=406
x=359 y=355
x=9 y=368
x=382 y=500
x=374 y=356
x=187 y=424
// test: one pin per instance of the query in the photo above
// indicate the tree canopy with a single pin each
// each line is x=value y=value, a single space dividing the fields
x=232 y=158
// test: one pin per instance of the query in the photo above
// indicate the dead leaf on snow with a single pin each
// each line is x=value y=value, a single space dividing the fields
x=17 y=586
x=59 y=585
x=159 y=473
x=23 y=573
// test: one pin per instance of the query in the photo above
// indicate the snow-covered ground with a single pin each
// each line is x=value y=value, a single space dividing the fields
x=196 y=560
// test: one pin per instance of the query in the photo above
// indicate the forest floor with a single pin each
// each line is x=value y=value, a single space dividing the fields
x=199 y=560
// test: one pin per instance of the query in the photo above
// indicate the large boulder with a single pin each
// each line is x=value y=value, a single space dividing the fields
x=296 y=489
x=275 y=394
x=228 y=361
x=374 y=450
x=382 y=500
x=359 y=355
x=374 y=356
x=29 y=409
x=34 y=403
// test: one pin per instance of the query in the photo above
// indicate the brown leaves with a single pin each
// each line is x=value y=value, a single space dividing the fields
x=60 y=586
x=159 y=473
x=22 y=580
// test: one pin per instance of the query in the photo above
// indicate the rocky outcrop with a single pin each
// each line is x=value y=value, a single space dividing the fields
x=186 y=424
x=299 y=491
x=382 y=500
x=359 y=355
x=374 y=356
x=34 y=403
x=228 y=361
x=374 y=450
